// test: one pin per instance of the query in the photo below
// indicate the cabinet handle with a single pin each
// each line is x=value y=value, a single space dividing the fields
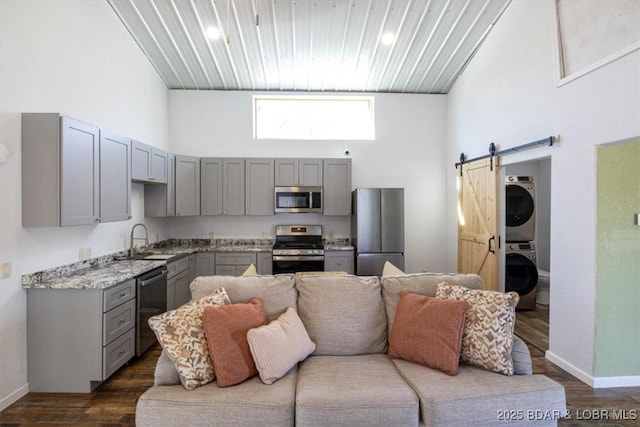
x=122 y=319
x=97 y=219
x=121 y=352
x=123 y=294
x=152 y=178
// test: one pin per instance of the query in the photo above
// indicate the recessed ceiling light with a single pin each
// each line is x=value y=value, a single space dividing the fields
x=388 y=38
x=213 y=33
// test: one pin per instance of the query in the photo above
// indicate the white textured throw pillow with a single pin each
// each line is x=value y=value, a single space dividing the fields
x=391 y=270
x=278 y=346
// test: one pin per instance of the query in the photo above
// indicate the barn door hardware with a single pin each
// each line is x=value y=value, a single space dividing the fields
x=492 y=151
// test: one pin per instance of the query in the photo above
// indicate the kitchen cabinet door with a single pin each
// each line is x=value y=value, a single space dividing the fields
x=222 y=184
x=115 y=177
x=60 y=171
x=211 y=185
x=337 y=187
x=264 y=263
x=233 y=187
x=205 y=264
x=310 y=172
x=160 y=200
x=148 y=164
x=181 y=289
x=187 y=185
x=298 y=172
x=338 y=261
x=259 y=187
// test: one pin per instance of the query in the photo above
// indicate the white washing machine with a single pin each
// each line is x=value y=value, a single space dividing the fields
x=520 y=215
x=521 y=273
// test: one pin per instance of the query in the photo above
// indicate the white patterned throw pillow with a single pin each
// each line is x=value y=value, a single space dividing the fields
x=488 y=332
x=181 y=334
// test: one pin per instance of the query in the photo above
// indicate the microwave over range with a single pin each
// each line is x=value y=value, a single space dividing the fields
x=298 y=199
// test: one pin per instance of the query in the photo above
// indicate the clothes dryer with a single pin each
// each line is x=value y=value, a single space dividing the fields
x=520 y=208
x=521 y=273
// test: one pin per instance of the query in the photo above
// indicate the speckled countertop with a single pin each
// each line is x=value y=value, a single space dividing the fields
x=109 y=270
x=95 y=277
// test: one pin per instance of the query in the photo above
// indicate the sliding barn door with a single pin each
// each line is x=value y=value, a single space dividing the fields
x=477 y=221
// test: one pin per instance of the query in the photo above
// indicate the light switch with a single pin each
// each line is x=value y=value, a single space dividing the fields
x=5 y=270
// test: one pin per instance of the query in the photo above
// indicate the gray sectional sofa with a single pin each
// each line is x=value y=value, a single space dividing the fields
x=349 y=380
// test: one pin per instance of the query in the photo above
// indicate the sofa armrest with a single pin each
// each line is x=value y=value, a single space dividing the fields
x=522 y=364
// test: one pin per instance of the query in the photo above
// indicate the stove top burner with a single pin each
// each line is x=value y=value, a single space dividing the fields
x=298 y=240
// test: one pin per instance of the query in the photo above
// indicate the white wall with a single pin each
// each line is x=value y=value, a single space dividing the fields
x=508 y=95
x=408 y=152
x=76 y=58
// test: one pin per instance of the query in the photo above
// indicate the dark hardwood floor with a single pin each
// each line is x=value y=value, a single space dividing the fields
x=113 y=403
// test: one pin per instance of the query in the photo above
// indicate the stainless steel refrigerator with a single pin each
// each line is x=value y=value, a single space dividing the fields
x=377 y=229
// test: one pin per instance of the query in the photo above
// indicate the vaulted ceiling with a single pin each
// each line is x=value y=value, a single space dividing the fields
x=405 y=46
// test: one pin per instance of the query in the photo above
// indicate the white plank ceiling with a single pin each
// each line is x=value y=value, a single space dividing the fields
x=310 y=45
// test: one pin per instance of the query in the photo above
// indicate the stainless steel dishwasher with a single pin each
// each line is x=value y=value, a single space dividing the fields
x=152 y=300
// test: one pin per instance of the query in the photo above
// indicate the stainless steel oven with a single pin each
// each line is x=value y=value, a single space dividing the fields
x=298 y=199
x=298 y=248
x=152 y=300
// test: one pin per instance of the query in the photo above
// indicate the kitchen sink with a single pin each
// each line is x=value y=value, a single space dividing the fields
x=159 y=256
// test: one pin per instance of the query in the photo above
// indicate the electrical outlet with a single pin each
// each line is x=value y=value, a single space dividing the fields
x=264 y=235
x=212 y=235
x=85 y=253
x=5 y=270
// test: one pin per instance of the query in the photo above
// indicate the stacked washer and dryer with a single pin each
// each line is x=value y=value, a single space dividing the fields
x=521 y=270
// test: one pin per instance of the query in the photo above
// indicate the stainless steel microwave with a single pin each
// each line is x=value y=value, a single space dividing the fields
x=298 y=199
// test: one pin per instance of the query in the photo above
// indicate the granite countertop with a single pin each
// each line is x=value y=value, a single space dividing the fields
x=109 y=270
x=98 y=277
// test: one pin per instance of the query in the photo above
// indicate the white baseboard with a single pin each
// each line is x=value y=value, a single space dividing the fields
x=595 y=382
x=6 y=401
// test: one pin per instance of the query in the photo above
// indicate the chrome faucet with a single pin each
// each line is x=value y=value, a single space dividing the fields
x=132 y=250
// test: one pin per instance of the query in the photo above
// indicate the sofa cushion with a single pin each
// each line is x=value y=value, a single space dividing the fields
x=165 y=372
x=226 y=330
x=428 y=331
x=423 y=284
x=488 y=331
x=477 y=397
x=242 y=404
x=181 y=334
x=344 y=314
x=353 y=390
x=279 y=346
x=277 y=292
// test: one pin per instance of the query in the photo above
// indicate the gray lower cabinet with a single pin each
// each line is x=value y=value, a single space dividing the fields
x=187 y=189
x=177 y=282
x=259 y=187
x=205 y=264
x=233 y=263
x=339 y=261
x=337 y=187
x=77 y=338
x=264 y=263
x=193 y=266
x=115 y=177
x=60 y=171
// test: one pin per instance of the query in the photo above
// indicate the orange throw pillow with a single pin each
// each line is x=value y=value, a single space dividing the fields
x=226 y=332
x=427 y=331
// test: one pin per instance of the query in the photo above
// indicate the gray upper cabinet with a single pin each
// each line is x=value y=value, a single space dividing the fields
x=60 y=171
x=259 y=187
x=148 y=164
x=187 y=185
x=222 y=186
x=294 y=172
x=160 y=200
x=337 y=187
x=115 y=177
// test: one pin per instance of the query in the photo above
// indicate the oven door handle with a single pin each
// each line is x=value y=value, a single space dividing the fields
x=298 y=258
